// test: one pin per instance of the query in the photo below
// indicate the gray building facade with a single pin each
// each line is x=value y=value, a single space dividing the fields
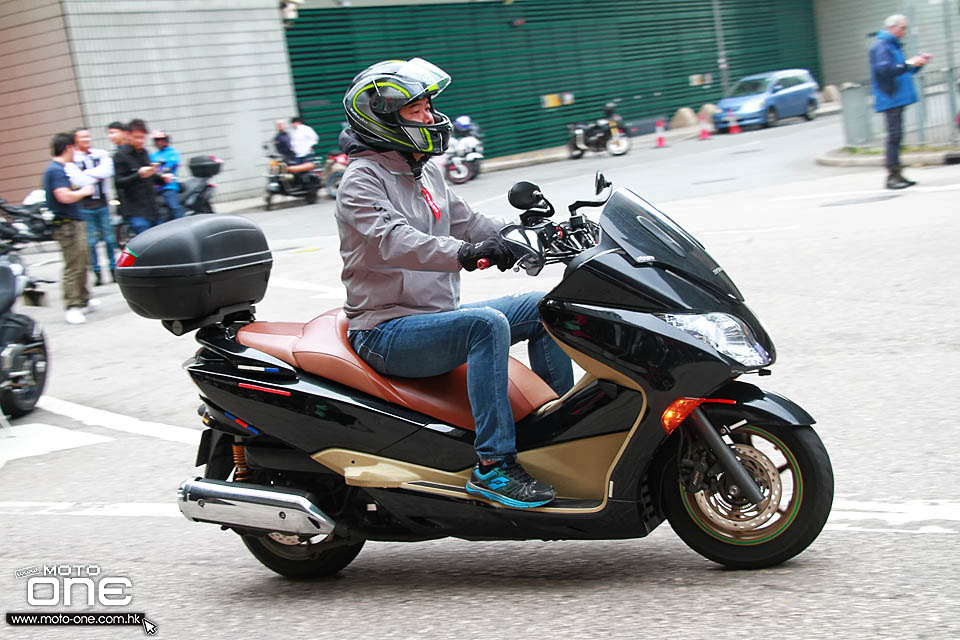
x=214 y=74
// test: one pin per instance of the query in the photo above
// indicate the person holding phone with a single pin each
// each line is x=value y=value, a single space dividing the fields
x=891 y=78
x=167 y=160
x=135 y=177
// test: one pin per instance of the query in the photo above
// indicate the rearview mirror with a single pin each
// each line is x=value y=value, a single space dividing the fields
x=600 y=182
x=524 y=195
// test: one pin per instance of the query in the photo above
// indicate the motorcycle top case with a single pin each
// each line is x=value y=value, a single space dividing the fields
x=204 y=166
x=192 y=267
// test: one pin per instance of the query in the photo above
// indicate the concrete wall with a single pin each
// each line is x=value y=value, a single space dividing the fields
x=843 y=27
x=38 y=91
x=214 y=74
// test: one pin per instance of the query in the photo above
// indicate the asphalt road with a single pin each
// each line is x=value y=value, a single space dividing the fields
x=856 y=284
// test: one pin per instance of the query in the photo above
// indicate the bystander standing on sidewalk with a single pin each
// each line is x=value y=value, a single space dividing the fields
x=117 y=132
x=93 y=167
x=169 y=159
x=135 y=178
x=891 y=77
x=69 y=229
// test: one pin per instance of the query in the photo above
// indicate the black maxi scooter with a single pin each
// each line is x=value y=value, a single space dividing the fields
x=309 y=453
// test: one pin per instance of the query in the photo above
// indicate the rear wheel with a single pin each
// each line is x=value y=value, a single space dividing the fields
x=811 y=111
x=311 y=195
x=268 y=202
x=792 y=468
x=294 y=558
x=459 y=173
x=21 y=398
x=574 y=151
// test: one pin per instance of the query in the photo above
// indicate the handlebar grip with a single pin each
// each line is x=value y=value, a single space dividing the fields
x=483 y=263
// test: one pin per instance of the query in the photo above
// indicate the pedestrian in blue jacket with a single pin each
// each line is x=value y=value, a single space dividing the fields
x=891 y=76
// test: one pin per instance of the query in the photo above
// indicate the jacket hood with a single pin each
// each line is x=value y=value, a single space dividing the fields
x=394 y=161
x=886 y=35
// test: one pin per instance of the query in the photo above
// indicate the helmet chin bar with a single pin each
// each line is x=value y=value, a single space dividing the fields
x=439 y=132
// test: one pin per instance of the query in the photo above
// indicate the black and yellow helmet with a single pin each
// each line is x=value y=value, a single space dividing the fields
x=376 y=96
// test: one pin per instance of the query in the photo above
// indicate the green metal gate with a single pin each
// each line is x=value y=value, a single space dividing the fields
x=509 y=60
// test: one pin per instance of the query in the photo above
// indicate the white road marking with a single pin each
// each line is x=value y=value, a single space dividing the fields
x=120 y=509
x=895 y=513
x=118 y=422
x=35 y=439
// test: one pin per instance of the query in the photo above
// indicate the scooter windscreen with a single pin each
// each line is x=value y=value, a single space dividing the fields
x=648 y=235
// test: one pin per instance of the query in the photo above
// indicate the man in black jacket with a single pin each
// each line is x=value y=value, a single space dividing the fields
x=135 y=178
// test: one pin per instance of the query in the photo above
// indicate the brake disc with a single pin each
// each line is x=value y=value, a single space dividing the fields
x=731 y=514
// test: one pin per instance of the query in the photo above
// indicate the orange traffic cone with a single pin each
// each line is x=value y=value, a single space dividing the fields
x=704 y=129
x=660 y=141
x=732 y=119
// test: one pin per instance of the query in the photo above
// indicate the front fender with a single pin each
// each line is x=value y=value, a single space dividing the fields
x=755 y=405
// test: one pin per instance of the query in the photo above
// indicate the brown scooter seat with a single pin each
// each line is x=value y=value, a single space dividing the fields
x=320 y=347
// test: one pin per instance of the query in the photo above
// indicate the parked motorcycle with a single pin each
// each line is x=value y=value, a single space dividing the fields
x=23 y=348
x=34 y=221
x=333 y=169
x=607 y=134
x=309 y=453
x=299 y=181
x=195 y=192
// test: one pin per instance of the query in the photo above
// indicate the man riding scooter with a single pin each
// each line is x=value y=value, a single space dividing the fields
x=289 y=174
x=403 y=246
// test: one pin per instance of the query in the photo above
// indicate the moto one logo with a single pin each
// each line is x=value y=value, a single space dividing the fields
x=65 y=584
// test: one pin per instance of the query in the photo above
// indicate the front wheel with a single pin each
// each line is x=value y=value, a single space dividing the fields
x=293 y=558
x=21 y=397
x=771 y=120
x=618 y=145
x=575 y=152
x=811 y=111
x=792 y=468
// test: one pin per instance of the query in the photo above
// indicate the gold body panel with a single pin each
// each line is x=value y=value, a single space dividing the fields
x=578 y=469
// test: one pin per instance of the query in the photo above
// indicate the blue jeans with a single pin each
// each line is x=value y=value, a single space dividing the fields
x=479 y=334
x=99 y=228
x=172 y=198
x=894 y=135
x=139 y=224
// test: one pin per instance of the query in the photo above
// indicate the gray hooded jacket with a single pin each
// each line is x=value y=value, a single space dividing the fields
x=400 y=236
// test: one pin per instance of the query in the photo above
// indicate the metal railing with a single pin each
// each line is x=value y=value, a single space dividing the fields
x=931 y=121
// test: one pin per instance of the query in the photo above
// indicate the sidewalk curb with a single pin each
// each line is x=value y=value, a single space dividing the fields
x=843 y=158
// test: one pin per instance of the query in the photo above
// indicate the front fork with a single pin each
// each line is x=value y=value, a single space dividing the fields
x=741 y=480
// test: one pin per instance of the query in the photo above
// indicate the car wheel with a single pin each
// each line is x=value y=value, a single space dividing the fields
x=771 y=118
x=811 y=111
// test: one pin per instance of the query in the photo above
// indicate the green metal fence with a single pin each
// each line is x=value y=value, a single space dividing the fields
x=649 y=55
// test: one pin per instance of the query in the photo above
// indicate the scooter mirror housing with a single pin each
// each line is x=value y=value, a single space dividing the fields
x=600 y=182
x=524 y=195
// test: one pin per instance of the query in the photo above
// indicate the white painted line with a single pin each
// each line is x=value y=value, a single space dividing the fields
x=27 y=440
x=120 y=509
x=895 y=513
x=118 y=422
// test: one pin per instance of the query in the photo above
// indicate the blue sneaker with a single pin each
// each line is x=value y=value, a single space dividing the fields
x=509 y=484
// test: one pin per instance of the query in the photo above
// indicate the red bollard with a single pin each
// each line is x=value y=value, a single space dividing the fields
x=660 y=141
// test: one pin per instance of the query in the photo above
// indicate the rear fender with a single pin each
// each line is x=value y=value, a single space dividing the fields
x=755 y=405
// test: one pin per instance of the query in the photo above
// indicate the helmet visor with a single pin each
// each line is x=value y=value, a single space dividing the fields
x=412 y=80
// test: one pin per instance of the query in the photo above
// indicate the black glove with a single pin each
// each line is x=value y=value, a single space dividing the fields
x=493 y=249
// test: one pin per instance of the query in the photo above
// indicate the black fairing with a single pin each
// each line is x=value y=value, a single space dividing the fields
x=647 y=263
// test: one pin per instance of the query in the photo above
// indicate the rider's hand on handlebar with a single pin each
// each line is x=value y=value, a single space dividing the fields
x=493 y=249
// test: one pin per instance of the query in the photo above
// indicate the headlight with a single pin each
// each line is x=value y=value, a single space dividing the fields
x=752 y=105
x=725 y=333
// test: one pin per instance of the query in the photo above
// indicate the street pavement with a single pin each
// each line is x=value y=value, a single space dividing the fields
x=857 y=286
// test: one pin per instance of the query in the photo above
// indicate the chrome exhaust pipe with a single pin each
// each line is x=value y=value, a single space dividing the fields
x=252 y=506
